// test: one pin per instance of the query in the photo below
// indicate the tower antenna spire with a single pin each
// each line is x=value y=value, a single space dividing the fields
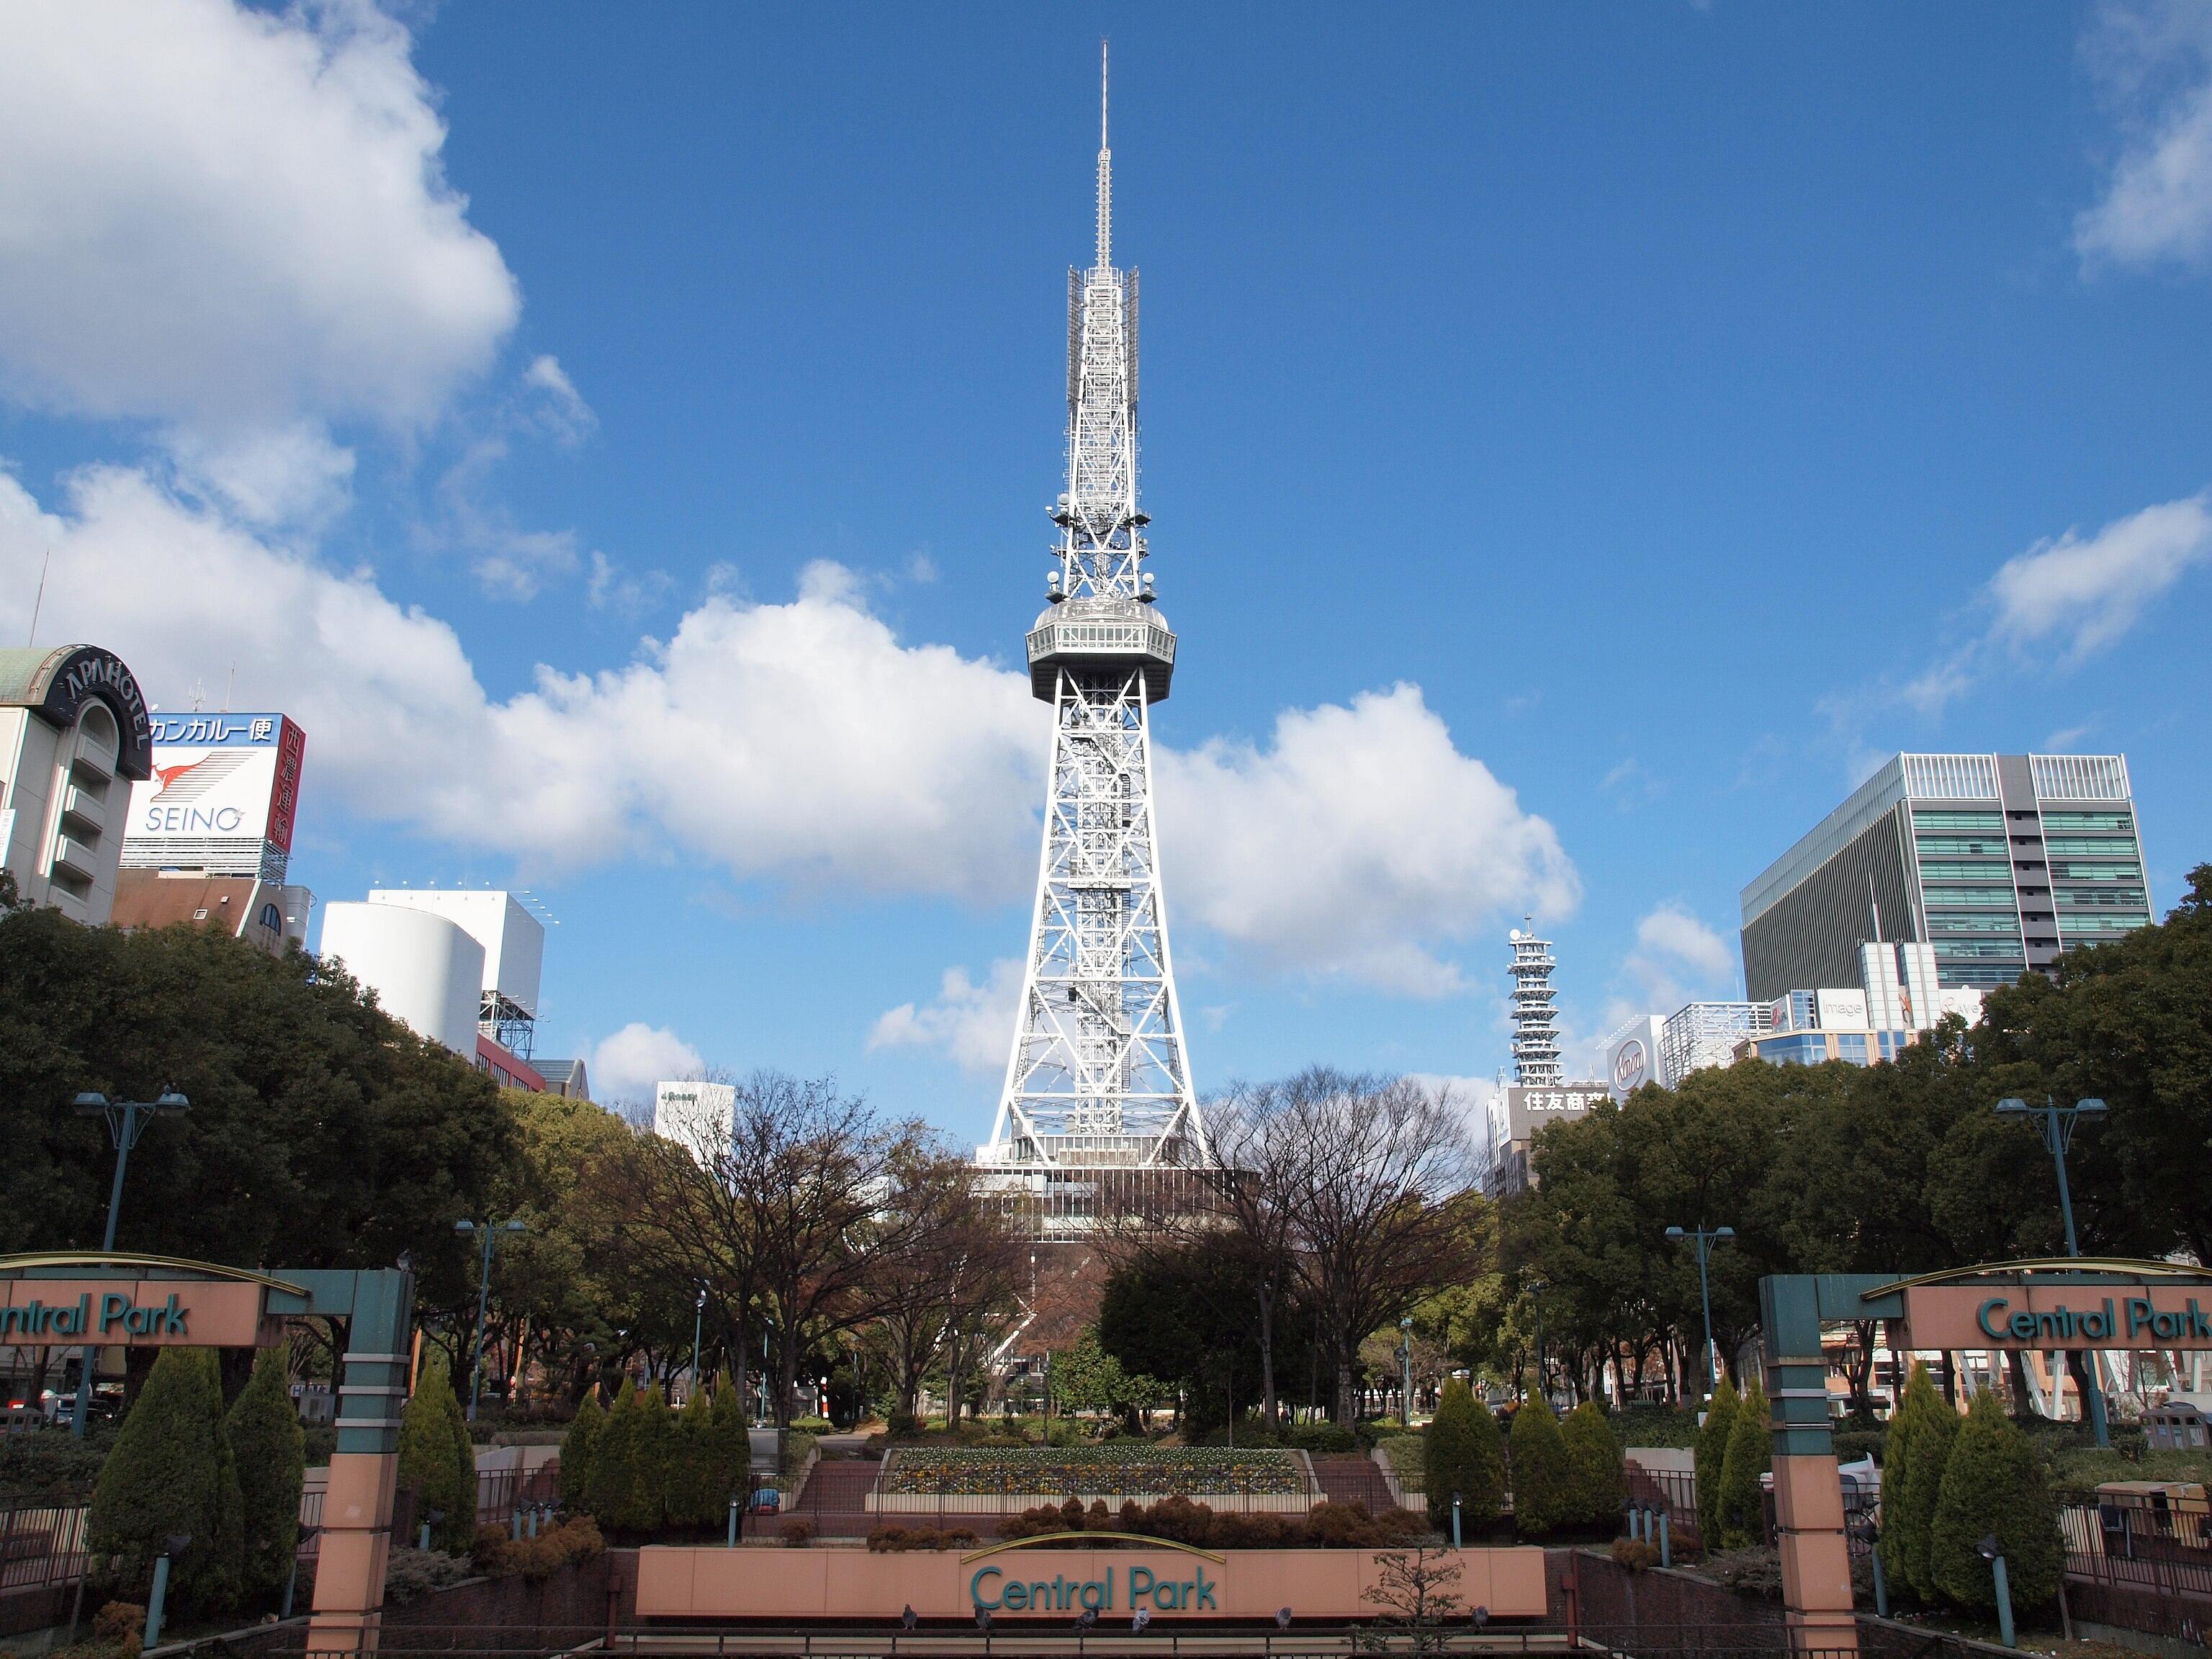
x=1105 y=174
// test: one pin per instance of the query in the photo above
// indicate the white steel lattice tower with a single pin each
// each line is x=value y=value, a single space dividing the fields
x=1535 y=1020
x=1099 y=1079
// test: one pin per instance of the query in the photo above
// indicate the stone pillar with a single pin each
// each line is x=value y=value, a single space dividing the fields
x=1808 y=1493
x=356 y=1536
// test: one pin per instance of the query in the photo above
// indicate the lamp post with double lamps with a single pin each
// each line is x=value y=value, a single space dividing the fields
x=1706 y=1239
x=2057 y=1124
x=126 y=1122
x=489 y=1231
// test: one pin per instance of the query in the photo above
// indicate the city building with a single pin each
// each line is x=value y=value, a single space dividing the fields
x=208 y=839
x=1535 y=1012
x=1998 y=862
x=75 y=734
x=1517 y=1112
x=694 y=1114
x=1099 y=1116
x=565 y=1076
x=1701 y=1034
x=459 y=966
x=1631 y=1055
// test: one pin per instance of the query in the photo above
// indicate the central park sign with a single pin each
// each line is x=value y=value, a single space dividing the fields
x=2026 y=1314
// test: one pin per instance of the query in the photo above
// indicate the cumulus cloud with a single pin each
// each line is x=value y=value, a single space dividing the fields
x=970 y=1023
x=1359 y=843
x=625 y=1066
x=232 y=219
x=2087 y=592
x=1678 y=959
x=2154 y=64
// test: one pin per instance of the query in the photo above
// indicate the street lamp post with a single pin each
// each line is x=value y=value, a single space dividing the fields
x=1706 y=1239
x=489 y=1231
x=1993 y=1553
x=126 y=1122
x=698 y=1320
x=1406 y=1363
x=1536 y=1289
x=2057 y=1124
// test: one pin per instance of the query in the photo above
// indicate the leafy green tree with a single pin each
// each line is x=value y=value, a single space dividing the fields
x=1711 y=1455
x=1462 y=1452
x=438 y=1465
x=1595 y=1456
x=1543 y=1475
x=690 y=1501
x=729 y=1448
x=172 y=1472
x=579 y=1447
x=1920 y=1436
x=1750 y=1452
x=1993 y=1482
x=270 y=1450
x=1087 y=1378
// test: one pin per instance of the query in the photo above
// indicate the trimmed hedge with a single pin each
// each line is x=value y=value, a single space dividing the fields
x=1742 y=1508
x=1543 y=1472
x=171 y=1472
x=1920 y=1438
x=1711 y=1455
x=271 y=1452
x=437 y=1461
x=1593 y=1456
x=1993 y=1483
x=1462 y=1452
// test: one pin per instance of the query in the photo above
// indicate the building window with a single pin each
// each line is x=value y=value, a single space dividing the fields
x=1851 y=1047
x=1941 y=820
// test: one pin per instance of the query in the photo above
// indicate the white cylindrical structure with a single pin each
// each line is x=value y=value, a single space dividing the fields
x=426 y=970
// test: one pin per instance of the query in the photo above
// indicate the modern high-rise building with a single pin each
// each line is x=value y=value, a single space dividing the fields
x=74 y=735
x=1098 y=1115
x=1998 y=862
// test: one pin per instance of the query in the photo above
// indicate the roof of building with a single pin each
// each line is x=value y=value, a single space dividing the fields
x=152 y=898
x=53 y=682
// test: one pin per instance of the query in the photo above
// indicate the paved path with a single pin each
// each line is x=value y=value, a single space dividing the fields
x=1348 y=1480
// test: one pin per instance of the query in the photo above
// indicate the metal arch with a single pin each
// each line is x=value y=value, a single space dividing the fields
x=107 y=1262
x=2072 y=1267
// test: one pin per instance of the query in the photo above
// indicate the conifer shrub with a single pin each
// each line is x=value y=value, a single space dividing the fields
x=656 y=1454
x=1920 y=1436
x=577 y=1447
x=1462 y=1452
x=1993 y=1482
x=1711 y=1453
x=729 y=1448
x=271 y=1453
x=687 y=1500
x=1593 y=1456
x=1543 y=1476
x=172 y=1472
x=625 y=1489
x=437 y=1462
x=1742 y=1508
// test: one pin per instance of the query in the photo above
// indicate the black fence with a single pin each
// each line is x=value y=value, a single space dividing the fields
x=2144 y=1547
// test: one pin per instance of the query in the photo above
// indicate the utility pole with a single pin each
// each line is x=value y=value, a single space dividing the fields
x=126 y=1122
x=2057 y=1124
x=1706 y=1240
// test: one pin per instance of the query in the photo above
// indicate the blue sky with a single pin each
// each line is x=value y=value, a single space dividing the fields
x=1580 y=441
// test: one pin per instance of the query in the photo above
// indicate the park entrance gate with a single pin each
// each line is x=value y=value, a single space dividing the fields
x=2065 y=1304
x=104 y=1300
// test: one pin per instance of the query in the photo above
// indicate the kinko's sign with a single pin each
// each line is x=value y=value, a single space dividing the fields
x=126 y=1312
x=2081 y=1316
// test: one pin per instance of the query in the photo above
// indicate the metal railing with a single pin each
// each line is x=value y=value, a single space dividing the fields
x=41 y=1544
x=2139 y=1540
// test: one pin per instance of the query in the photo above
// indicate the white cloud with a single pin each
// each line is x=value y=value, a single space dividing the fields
x=561 y=409
x=229 y=219
x=2087 y=594
x=626 y=1065
x=1677 y=958
x=2156 y=65
x=973 y=1024
x=1360 y=844
x=274 y=476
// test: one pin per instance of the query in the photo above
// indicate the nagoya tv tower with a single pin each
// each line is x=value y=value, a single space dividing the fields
x=1098 y=1098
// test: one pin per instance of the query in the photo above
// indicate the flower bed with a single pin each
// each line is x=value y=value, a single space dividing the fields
x=1116 y=1471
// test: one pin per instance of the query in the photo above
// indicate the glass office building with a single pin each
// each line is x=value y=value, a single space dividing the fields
x=1999 y=862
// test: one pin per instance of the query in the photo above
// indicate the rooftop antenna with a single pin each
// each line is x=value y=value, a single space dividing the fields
x=1105 y=174
x=199 y=695
x=39 y=604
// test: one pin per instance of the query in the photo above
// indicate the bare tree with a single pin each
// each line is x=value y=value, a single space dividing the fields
x=1378 y=1202
x=932 y=1300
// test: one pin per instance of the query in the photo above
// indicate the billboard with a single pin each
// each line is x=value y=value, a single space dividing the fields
x=223 y=797
x=1631 y=1055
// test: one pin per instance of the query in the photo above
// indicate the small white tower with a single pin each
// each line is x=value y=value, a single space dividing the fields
x=1535 y=1019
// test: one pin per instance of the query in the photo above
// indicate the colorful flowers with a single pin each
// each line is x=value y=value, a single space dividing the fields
x=1117 y=1470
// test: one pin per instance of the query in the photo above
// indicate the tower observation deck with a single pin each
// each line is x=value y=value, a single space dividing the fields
x=1097 y=1108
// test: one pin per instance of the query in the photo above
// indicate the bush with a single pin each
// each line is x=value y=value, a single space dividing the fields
x=1993 y=1483
x=689 y=1499
x=437 y=1461
x=1712 y=1453
x=499 y=1555
x=1543 y=1479
x=1852 y=1445
x=1750 y=1454
x=51 y=1465
x=898 y=1540
x=578 y=1447
x=412 y=1574
x=263 y=1426
x=797 y=1535
x=729 y=1447
x=1321 y=1438
x=622 y=1493
x=1635 y=1555
x=171 y=1472
x=1463 y=1452
x=1594 y=1455
x=1920 y=1436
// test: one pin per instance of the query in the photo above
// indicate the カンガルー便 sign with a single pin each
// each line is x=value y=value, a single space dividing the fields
x=2078 y=1316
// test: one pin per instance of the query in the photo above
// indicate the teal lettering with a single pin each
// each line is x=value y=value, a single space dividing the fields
x=1138 y=1592
x=84 y=1315
x=2139 y=1313
x=1040 y=1595
x=1206 y=1591
x=112 y=1306
x=1093 y=1595
x=1017 y=1596
x=174 y=1316
x=975 y=1588
x=1982 y=1318
x=2198 y=1324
